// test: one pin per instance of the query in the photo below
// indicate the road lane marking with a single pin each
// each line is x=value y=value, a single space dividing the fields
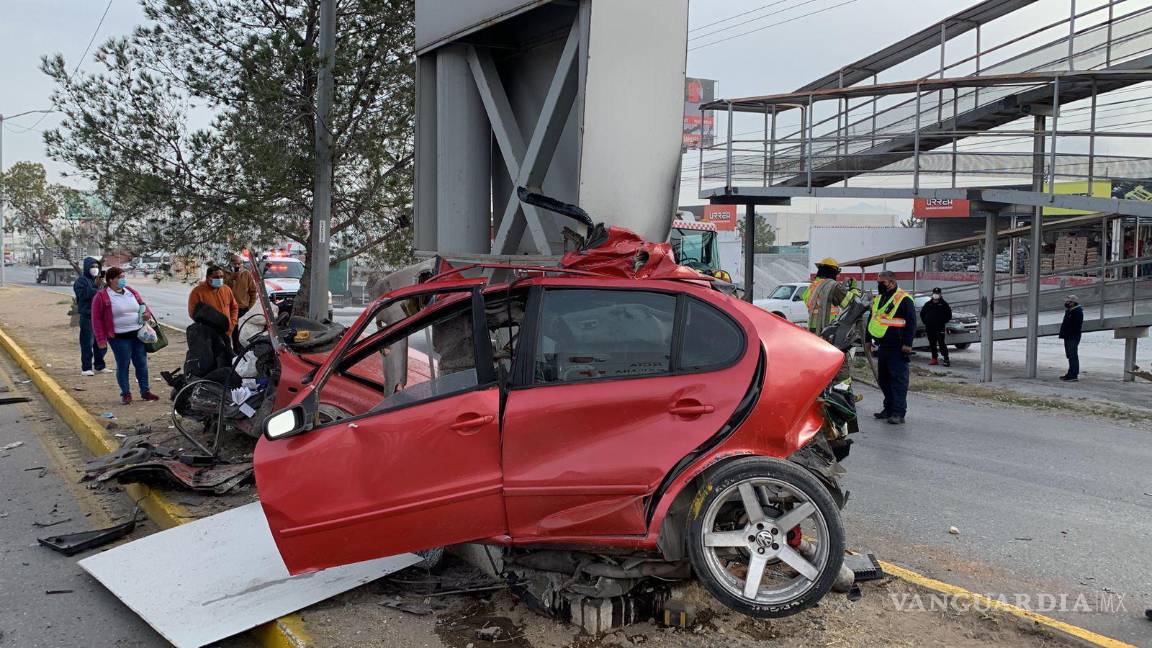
x=990 y=603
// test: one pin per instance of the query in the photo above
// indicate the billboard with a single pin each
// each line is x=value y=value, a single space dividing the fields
x=940 y=208
x=699 y=129
x=722 y=216
x=1100 y=189
x=1132 y=190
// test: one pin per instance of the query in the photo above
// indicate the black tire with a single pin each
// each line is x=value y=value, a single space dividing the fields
x=962 y=346
x=719 y=483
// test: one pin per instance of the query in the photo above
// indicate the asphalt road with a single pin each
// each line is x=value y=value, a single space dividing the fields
x=1045 y=503
x=45 y=598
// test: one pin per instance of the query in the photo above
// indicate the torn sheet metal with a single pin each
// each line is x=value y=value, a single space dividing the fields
x=203 y=479
x=137 y=460
x=216 y=577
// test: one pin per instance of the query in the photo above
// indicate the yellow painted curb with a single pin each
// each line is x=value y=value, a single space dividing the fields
x=285 y=632
x=1000 y=606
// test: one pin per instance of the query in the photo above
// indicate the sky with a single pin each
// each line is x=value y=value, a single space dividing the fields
x=819 y=37
x=776 y=59
x=30 y=29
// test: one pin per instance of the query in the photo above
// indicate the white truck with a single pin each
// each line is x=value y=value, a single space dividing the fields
x=787 y=301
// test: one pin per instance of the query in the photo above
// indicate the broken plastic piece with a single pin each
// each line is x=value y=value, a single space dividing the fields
x=73 y=543
x=864 y=566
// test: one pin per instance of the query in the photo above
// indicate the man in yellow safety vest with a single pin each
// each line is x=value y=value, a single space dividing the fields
x=826 y=296
x=891 y=328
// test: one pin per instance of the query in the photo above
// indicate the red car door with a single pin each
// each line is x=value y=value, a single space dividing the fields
x=617 y=384
x=384 y=473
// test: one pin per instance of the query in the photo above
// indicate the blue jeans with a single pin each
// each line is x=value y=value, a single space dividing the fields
x=1072 y=352
x=88 y=349
x=892 y=367
x=130 y=351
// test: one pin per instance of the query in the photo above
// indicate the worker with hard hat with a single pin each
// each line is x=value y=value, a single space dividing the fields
x=826 y=296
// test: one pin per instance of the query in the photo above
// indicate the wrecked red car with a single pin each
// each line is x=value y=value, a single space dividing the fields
x=618 y=417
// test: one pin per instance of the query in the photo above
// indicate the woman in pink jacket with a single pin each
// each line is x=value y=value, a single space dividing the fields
x=118 y=312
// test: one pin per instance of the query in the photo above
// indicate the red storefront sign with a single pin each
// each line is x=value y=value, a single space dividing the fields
x=940 y=208
x=722 y=216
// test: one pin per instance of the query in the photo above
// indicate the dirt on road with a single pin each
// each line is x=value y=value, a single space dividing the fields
x=367 y=618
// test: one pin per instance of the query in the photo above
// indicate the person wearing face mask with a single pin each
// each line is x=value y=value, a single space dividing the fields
x=239 y=280
x=214 y=293
x=936 y=314
x=87 y=284
x=118 y=312
x=1070 y=329
x=891 y=329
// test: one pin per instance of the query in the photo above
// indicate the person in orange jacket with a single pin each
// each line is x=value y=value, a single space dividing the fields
x=213 y=292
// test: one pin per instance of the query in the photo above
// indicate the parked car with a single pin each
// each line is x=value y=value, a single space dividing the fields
x=962 y=322
x=619 y=405
x=787 y=301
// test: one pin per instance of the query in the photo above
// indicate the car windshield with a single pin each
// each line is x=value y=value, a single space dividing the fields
x=782 y=292
x=284 y=270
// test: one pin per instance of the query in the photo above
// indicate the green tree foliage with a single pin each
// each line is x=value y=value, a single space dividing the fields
x=201 y=124
x=765 y=233
x=66 y=222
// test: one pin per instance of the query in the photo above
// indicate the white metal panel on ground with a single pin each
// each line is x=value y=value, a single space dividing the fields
x=633 y=113
x=219 y=576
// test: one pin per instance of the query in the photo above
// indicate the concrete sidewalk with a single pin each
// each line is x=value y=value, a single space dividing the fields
x=1101 y=361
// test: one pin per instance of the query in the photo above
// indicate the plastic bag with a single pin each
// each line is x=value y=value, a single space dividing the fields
x=246 y=366
x=161 y=339
x=147 y=334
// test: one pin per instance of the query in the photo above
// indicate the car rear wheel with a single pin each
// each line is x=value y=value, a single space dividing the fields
x=963 y=345
x=765 y=537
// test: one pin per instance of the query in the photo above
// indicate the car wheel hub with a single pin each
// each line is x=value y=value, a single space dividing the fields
x=756 y=562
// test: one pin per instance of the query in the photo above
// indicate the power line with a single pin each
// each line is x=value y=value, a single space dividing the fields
x=80 y=61
x=750 y=21
x=22 y=129
x=777 y=24
x=739 y=15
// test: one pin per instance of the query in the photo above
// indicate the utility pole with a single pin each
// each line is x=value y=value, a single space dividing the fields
x=1036 y=242
x=322 y=193
x=3 y=223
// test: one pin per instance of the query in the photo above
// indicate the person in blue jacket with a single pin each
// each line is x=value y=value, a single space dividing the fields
x=86 y=286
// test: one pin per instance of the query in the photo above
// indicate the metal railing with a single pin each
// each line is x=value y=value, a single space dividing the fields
x=866 y=139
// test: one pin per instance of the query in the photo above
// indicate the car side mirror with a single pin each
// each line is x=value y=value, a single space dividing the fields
x=285 y=423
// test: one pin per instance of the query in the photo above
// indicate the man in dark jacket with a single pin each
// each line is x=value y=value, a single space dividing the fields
x=936 y=313
x=86 y=286
x=1070 y=330
x=892 y=328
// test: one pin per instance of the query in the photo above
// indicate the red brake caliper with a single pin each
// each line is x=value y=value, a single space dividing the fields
x=794 y=537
